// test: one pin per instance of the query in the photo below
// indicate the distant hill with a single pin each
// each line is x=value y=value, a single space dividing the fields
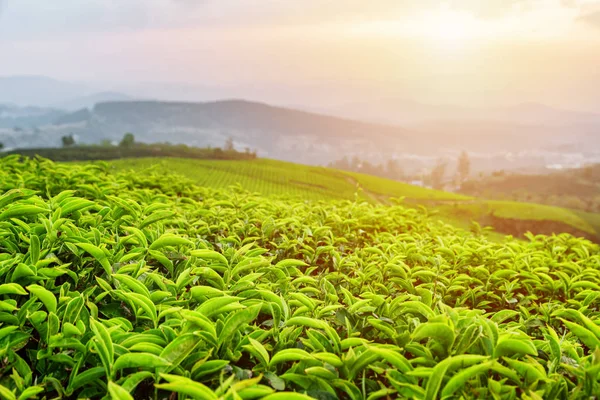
x=38 y=91
x=16 y=118
x=577 y=188
x=314 y=138
x=273 y=131
x=41 y=91
x=407 y=113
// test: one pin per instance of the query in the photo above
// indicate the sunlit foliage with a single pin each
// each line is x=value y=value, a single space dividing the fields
x=147 y=286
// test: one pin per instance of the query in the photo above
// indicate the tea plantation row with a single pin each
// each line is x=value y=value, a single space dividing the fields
x=147 y=286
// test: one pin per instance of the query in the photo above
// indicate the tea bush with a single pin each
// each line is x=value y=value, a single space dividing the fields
x=146 y=286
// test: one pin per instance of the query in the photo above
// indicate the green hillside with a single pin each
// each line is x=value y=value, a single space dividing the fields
x=280 y=178
x=139 y=285
x=271 y=177
x=577 y=188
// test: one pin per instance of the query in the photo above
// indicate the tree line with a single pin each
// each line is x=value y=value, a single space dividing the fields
x=392 y=169
x=129 y=148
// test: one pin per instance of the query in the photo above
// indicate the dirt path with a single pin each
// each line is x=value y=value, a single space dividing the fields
x=373 y=196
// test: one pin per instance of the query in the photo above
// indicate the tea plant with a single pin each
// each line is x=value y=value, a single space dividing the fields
x=146 y=286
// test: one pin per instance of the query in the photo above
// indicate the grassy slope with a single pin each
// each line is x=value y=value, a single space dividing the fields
x=523 y=211
x=273 y=177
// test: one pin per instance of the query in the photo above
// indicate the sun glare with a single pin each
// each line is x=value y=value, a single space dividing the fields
x=446 y=31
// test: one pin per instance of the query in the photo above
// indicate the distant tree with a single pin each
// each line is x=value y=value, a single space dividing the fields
x=342 y=164
x=437 y=175
x=393 y=170
x=355 y=163
x=218 y=152
x=464 y=167
x=128 y=140
x=105 y=143
x=1 y=145
x=68 y=140
x=229 y=144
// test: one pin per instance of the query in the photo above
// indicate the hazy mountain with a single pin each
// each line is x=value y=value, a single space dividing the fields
x=406 y=112
x=540 y=114
x=484 y=136
x=38 y=91
x=313 y=138
x=274 y=131
x=18 y=118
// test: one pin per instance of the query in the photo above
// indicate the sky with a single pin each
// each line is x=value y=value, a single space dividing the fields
x=462 y=52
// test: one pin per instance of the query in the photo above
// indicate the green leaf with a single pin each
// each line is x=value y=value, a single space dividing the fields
x=585 y=335
x=396 y=359
x=288 y=355
x=235 y=321
x=46 y=296
x=117 y=392
x=140 y=301
x=276 y=382
x=75 y=204
x=12 y=288
x=88 y=376
x=139 y=360
x=508 y=346
x=217 y=305
x=104 y=345
x=416 y=307
x=186 y=386
x=7 y=394
x=258 y=350
x=34 y=248
x=287 y=396
x=31 y=392
x=179 y=349
x=155 y=217
x=200 y=292
x=527 y=370
x=461 y=378
x=18 y=211
x=133 y=380
x=437 y=330
x=133 y=284
x=15 y=194
x=308 y=322
x=170 y=240
x=98 y=254
x=209 y=255
x=204 y=368
x=439 y=371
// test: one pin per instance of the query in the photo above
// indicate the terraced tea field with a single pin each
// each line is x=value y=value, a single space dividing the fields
x=145 y=285
x=278 y=178
x=271 y=177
